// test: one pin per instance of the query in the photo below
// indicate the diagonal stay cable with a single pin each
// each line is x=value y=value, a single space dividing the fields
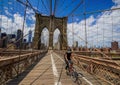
x=38 y=4
x=44 y=5
x=66 y=7
x=98 y=11
x=61 y=5
x=76 y=7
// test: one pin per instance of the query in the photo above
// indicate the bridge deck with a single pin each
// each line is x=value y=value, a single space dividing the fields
x=50 y=71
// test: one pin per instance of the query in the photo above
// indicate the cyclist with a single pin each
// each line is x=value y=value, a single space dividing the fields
x=68 y=59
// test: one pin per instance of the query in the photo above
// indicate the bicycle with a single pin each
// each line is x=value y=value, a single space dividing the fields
x=74 y=75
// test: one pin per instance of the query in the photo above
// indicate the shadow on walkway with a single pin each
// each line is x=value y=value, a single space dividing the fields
x=16 y=80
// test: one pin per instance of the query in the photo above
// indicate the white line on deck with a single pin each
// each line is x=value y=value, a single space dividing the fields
x=82 y=77
x=55 y=72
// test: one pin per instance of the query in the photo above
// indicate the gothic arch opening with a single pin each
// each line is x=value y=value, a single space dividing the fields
x=51 y=22
x=44 y=38
x=57 y=39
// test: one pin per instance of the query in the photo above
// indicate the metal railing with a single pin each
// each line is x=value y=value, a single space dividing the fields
x=107 y=70
x=11 y=67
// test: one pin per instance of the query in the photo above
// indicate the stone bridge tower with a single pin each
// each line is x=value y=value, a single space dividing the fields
x=51 y=23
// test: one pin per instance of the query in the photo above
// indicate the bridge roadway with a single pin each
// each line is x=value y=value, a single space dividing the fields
x=50 y=70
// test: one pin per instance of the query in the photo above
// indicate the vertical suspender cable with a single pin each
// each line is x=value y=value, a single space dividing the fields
x=50 y=7
x=112 y=28
x=73 y=30
x=55 y=5
x=97 y=34
x=85 y=24
x=22 y=35
x=103 y=32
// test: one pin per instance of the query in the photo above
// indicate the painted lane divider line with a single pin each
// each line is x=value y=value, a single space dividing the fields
x=55 y=72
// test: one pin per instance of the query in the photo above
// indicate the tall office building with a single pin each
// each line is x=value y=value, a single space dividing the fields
x=11 y=38
x=75 y=44
x=4 y=40
x=30 y=36
x=114 y=45
x=0 y=39
x=19 y=38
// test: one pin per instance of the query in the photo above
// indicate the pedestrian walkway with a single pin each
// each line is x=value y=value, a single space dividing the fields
x=50 y=71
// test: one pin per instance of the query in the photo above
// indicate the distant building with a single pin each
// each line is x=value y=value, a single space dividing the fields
x=114 y=45
x=4 y=40
x=19 y=38
x=75 y=44
x=57 y=46
x=0 y=39
x=11 y=38
x=30 y=37
x=24 y=44
x=0 y=33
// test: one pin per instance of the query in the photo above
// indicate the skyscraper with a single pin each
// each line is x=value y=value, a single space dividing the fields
x=4 y=40
x=30 y=36
x=114 y=45
x=19 y=38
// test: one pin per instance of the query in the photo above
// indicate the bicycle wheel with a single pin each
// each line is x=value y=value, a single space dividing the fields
x=74 y=76
x=78 y=81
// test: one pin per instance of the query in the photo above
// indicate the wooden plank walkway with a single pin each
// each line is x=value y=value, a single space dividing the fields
x=50 y=71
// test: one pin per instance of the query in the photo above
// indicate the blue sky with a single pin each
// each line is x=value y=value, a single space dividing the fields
x=63 y=8
x=11 y=18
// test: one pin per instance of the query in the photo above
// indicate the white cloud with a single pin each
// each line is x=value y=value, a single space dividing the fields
x=11 y=25
x=95 y=26
x=8 y=13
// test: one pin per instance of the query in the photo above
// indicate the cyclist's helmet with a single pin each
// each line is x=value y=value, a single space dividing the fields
x=69 y=50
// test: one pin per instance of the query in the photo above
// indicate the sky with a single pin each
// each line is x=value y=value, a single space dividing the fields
x=102 y=27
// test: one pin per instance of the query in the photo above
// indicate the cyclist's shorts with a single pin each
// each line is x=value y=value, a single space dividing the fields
x=70 y=62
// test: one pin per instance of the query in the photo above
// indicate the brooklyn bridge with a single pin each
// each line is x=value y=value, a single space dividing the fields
x=35 y=35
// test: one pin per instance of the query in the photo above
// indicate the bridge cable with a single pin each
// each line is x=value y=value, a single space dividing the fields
x=55 y=5
x=38 y=4
x=61 y=11
x=48 y=3
x=61 y=5
x=90 y=44
x=29 y=5
x=50 y=7
x=44 y=6
x=98 y=11
x=75 y=8
x=21 y=46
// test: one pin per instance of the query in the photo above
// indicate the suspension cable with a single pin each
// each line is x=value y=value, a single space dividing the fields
x=48 y=3
x=61 y=5
x=55 y=5
x=103 y=32
x=44 y=6
x=50 y=7
x=75 y=8
x=112 y=28
x=38 y=4
x=98 y=11
x=61 y=11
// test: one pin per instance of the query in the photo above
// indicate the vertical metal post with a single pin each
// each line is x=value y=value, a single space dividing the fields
x=22 y=36
x=73 y=30
x=85 y=25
